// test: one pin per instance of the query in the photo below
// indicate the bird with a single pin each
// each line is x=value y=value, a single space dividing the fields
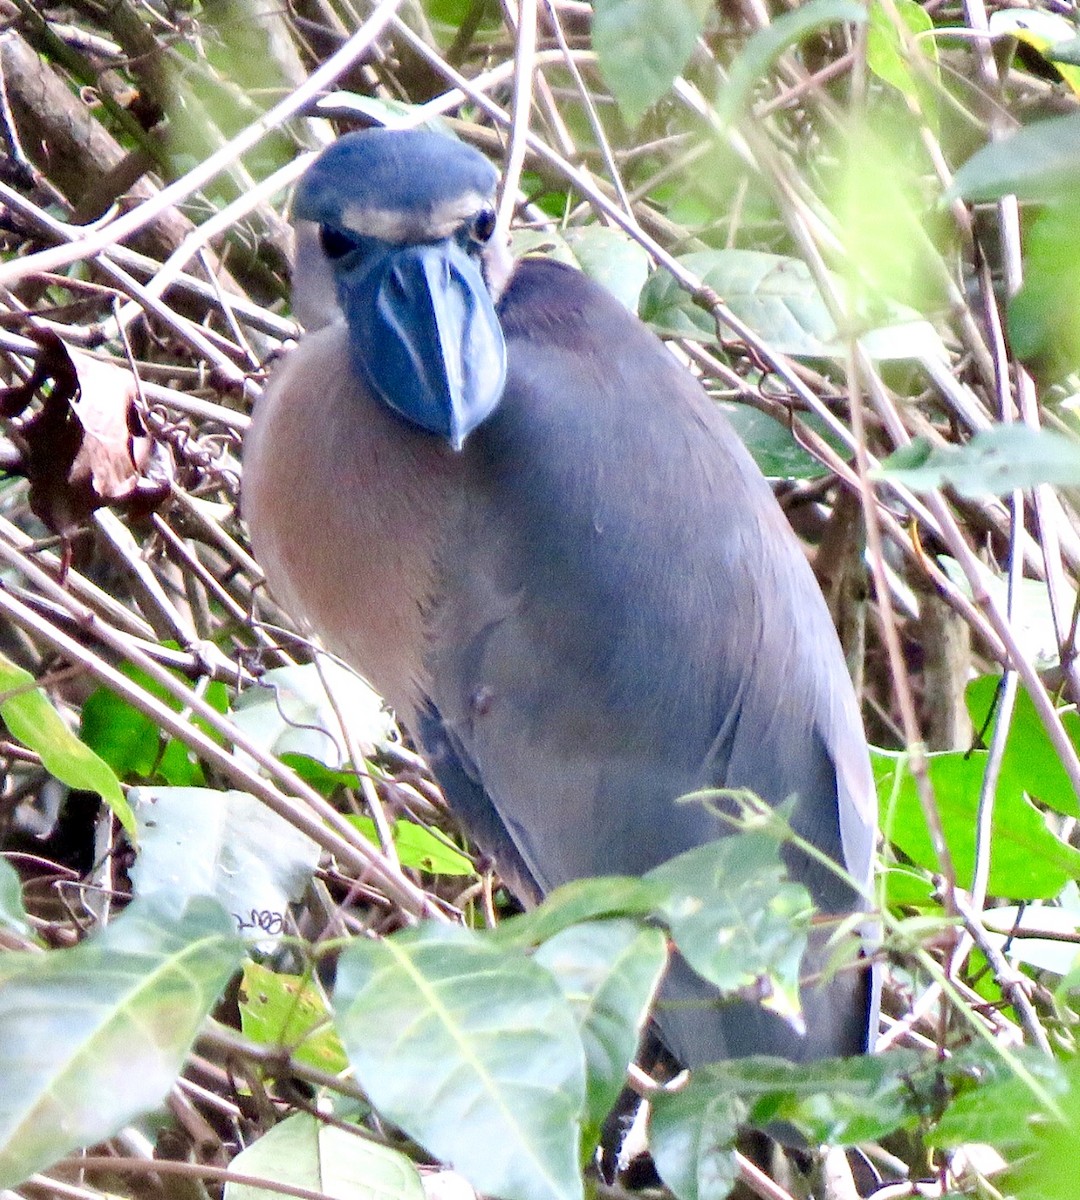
x=498 y=495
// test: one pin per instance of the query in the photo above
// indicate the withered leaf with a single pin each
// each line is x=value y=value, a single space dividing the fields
x=85 y=447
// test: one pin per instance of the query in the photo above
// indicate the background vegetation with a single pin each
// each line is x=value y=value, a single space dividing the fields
x=860 y=225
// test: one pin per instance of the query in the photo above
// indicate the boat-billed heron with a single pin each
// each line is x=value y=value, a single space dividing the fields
x=498 y=495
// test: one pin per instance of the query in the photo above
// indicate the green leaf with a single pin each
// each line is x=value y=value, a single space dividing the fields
x=12 y=912
x=642 y=45
x=124 y=737
x=1030 y=762
x=1040 y=162
x=1042 y=325
x=692 y=1140
x=473 y=1051
x=888 y=54
x=1049 y=1171
x=735 y=916
x=992 y=1103
x=836 y=1101
x=995 y=461
x=32 y=720
x=197 y=841
x=288 y=1010
x=290 y=711
x=906 y=887
x=578 y=901
x=773 y=445
x=1028 y=862
x=609 y=972
x=614 y=260
x=94 y=1036
x=305 y=1152
x=766 y=45
x=420 y=848
x=133 y=745
x=778 y=298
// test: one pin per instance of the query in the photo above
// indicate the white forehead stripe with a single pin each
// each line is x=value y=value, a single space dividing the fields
x=429 y=224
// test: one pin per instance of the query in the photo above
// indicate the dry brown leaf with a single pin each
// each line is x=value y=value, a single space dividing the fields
x=86 y=446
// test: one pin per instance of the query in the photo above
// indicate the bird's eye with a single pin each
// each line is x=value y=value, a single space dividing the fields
x=335 y=244
x=483 y=225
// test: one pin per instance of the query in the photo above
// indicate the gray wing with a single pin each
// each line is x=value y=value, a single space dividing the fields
x=627 y=617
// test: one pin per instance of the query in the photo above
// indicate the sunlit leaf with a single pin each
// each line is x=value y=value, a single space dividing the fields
x=288 y=1010
x=32 y=720
x=419 y=848
x=1028 y=861
x=1030 y=761
x=889 y=55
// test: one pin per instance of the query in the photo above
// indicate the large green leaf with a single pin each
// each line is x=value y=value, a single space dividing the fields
x=308 y=1153
x=609 y=972
x=94 y=1036
x=1040 y=162
x=838 y=1101
x=736 y=917
x=134 y=745
x=473 y=1051
x=992 y=1101
x=1030 y=762
x=224 y=844
x=1028 y=862
x=32 y=720
x=642 y=45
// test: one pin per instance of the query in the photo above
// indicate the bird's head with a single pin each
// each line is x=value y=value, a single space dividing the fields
x=394 y=232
